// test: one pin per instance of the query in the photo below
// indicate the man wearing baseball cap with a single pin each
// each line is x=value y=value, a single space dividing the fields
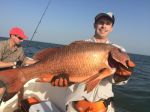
x=100 y=99
x=11 y=51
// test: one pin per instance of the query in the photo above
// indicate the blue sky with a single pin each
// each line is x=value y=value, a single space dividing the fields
x=69 y=20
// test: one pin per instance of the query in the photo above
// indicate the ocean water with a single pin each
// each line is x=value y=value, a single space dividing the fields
x=132 y=97
x=135 y=95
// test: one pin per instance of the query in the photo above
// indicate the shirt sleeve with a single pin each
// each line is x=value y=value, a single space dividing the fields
x=120 y=47
x=1 y=50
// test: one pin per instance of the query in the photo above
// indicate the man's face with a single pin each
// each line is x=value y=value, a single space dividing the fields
x=17 y=40
x=103 y=27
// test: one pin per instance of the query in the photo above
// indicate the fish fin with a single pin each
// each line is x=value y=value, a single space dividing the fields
x=14 y=86
x=79 y=42
x=13 y=80
x=91 y=85
x=44 y=53
x=92 y=82
x=45 y=78
x=10 y=90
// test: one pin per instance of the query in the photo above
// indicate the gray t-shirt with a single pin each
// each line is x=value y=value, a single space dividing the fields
x=9 y=55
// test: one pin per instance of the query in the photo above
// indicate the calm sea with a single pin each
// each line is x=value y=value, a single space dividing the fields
x=132 y=97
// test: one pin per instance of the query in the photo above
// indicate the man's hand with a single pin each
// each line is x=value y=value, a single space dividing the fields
x=60 y=80
x=17 y=64
x=123 y=73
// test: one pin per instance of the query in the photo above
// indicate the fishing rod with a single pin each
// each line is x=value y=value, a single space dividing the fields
x=40 y=19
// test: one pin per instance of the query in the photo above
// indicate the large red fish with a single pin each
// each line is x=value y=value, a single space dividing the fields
x=81 y=62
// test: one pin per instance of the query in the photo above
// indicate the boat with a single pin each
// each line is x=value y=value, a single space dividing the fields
x=44 y=92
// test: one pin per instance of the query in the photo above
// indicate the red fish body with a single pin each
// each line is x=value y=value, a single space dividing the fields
x=81 y=62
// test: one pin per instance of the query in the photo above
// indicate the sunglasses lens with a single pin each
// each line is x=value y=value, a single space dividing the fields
x=20 y=38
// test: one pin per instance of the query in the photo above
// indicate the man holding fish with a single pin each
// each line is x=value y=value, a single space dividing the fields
x=100 y=99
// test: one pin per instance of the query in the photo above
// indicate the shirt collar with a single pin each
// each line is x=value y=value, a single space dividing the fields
x=94 y=40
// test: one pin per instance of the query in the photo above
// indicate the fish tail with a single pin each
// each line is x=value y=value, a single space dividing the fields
x=10 y=81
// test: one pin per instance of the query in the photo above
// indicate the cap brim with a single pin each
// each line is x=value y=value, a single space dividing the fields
x=23 y=36
x=103 y=15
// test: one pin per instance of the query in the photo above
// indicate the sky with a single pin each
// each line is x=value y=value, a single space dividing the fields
x=69 y=20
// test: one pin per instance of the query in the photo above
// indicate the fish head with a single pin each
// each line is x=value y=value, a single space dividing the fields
x=121 y=61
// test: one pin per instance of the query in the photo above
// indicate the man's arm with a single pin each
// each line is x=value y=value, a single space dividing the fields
x=7 y=64
x=29 y=61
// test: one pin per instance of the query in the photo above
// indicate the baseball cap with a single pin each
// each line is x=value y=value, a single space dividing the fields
x=18 y=31
x=109 y=15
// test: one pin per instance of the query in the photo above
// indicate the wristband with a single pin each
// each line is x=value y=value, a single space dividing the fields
x=14 y=66
x=15 y=63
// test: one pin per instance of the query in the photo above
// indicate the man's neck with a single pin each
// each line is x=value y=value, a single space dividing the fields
x=101 y=39
x=12 y=45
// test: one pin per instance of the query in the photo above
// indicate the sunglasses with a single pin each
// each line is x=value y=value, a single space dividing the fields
x=18 y=37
